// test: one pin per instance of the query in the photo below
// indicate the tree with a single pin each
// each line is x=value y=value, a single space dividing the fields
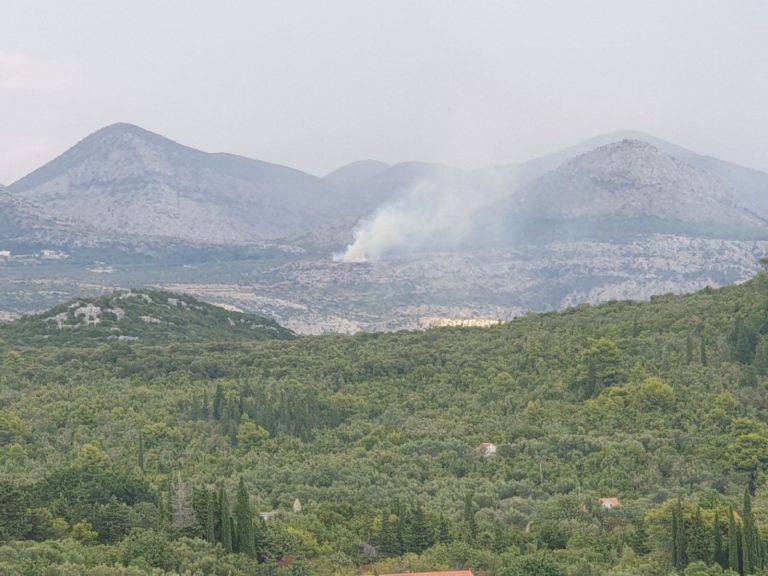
x=750 y=541
x=538 y=564
x=718 y=555
x=469 y=517
x=111 y=521
x=699 y=539
x=218 y=401
x=210 y=517
x=246 y=538
x=251 y=435
x=680 y=540
x=83 y=532
x=140 y=457
x=152 y=548
x=387 y=538
x=14 y=521
x=183 y=512
x=420 y=533
x=225 y=536
x=733 y=543
x=600 y=366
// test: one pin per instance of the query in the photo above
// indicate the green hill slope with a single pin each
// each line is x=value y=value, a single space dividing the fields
x=118 y=455
x=147 y=316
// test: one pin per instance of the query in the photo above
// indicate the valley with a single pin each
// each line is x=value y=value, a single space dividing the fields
x=312 y=294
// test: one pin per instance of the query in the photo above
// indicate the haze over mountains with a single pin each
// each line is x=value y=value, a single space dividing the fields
x=413 y=240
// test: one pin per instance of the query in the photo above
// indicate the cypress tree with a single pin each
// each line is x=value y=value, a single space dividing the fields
x=226 y=532
x=688 y=349
x=443 y=530
x=733 y=542
x=400 y=533
x=218 y=400
x=717 y=537
x=387 y=535
x=743 y=351
x=210 y=520
x=141 y=452
x=205 y=411
x=675 y=539
x=703 y=352
x=469 y=517
x=681 y=560
x=699 y=540
x=246 y=543
x=194 y=410
x=421 y=536
x=749 y=539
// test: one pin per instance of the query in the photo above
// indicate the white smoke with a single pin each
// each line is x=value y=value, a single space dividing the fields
x=434 y=213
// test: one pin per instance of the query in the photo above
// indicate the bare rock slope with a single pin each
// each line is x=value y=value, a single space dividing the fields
x=634 y=179
x=124 y=179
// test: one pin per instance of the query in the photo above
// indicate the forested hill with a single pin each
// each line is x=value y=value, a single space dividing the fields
x=374 y=453
x=148 y=316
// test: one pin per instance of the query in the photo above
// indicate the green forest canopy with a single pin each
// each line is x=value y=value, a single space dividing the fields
x=125 y=458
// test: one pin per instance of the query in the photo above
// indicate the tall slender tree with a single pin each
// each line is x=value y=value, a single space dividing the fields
x=210 y=513
x=681 y=558
x=218 y=401
x=675 y=540
x=469 y=517
x=699 y=539
x=718 y=556
x=733 y=543
x=246 y=542
x=750 y=543
x=141 y=452
x=226 y=533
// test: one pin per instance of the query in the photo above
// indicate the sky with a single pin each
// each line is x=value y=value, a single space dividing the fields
x=317 y=84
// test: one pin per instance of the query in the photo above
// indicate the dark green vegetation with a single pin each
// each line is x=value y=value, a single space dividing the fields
x=131 y=459
x=148 y=316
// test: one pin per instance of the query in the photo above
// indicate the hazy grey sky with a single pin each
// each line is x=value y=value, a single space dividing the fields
x=316 y=84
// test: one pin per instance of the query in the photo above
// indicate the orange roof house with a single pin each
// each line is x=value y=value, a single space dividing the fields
x=610 y=503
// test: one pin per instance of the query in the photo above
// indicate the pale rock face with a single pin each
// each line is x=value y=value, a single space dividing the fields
x=125 y=180
x=91 y=314
x=633 y=179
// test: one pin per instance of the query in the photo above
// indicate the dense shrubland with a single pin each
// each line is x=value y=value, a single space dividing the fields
x=128 y=459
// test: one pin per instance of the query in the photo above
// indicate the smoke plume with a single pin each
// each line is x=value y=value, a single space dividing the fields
x=445 y=211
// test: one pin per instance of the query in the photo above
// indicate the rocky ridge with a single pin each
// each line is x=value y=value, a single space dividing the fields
x=634 y=179
x=147 y=316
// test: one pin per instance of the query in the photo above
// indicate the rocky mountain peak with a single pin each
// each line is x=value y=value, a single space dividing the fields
x=631 y=160
x=123 y=179
x=634 y=179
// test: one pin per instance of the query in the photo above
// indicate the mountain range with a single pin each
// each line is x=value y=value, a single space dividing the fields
x=624 y=215
x=126 y=181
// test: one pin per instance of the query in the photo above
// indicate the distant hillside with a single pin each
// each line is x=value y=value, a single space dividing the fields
x=632 y=180
x=146 y=316
x=124 y=179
